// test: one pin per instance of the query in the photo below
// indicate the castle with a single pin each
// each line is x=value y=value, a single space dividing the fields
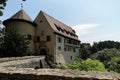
x=47 y=35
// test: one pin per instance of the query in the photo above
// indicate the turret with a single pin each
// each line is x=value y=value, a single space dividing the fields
x=24 y=25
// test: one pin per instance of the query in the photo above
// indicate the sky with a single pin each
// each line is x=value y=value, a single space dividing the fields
x=93 y=20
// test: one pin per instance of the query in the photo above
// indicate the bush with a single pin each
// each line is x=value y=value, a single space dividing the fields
x=87 y=65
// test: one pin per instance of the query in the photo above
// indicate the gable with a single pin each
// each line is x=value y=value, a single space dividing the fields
x=59 y=27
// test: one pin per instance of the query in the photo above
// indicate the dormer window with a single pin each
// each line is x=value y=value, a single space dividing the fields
x=58 y=28
x=73 y=31
x=66 y=32
x=62 y=30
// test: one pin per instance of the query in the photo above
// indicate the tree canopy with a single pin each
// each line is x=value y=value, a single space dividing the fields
x=14 y=44
x=114 y=64
x=85 y=50
x=108 y=57
x=105 y=44
x=107 y=52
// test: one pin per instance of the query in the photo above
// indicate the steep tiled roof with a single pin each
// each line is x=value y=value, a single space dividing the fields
x=60 y=28
x=20 y=15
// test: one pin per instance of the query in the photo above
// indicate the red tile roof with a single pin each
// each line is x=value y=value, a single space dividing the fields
x=60 y=28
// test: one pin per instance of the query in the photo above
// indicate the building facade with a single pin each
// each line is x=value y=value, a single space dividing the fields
x=48 y=36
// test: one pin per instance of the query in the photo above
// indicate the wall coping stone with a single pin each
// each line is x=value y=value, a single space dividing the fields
x=62 y=73
x=17 y=58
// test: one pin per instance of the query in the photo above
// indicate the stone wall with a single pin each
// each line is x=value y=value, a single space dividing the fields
x=21 y=62
x=13 y=69
x=54 y=74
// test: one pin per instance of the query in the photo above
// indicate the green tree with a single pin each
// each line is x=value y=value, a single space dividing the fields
x=106 y=55
x=105 y=44
x=87 y=65
x=114 y=64
x=85 y=50
x=3 y=4
x=15 y=44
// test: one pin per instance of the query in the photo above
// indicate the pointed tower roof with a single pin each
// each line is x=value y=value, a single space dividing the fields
x=20 y=15
x=59 y=27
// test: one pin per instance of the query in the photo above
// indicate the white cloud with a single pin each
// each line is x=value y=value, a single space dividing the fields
x=99 y=37
x=84 y=29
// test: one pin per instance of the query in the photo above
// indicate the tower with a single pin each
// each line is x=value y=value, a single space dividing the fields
x=24 y=25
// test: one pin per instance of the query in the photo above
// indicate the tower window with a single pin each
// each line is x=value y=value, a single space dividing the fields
x=48 y=38
x=41 y=21
x=38 y=39
x=29 y=37
x=59 y=47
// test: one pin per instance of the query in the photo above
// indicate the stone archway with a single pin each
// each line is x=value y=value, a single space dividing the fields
x=43 y=52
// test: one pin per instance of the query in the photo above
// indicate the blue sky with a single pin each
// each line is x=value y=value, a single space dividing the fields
x=93 y=20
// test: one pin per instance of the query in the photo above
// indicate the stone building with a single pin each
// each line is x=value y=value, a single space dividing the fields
x=47 y=35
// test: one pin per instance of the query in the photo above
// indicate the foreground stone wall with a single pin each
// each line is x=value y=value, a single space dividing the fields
x=22 y=68
x=54 y=74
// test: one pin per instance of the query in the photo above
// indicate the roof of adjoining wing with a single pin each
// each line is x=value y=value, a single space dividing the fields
x=60 y=28
x=20 y=15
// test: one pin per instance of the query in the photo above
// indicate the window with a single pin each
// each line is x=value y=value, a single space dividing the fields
x=59 y=39
x=48 y=38
x=65 y=40
x=38 y=39
x=74 y=50
x=59 y=47
x=42 y=33
x=73 y=31
x=71 y=57
x=65 y=49
x=70 y=41
x=1 y=39
x=62 y=30
x=79 y=50
x=41 y=21
x=29 y=37
x=58 y=28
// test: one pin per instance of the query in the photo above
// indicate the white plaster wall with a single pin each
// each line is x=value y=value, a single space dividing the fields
x=63 y=56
